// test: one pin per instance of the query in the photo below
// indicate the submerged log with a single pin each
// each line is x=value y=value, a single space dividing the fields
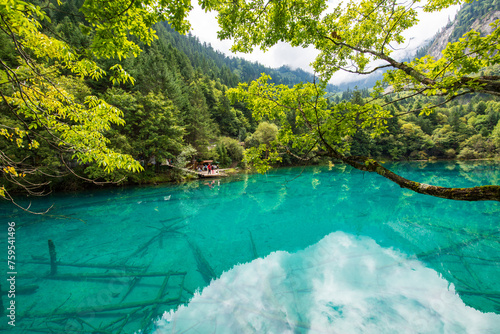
x=132 y=285
x=123 y=319
x=254 y=249
x=154 y=308
x=493 y=294
x=82 y=265
x=79 y=311
x=204 y=267
x=454 y=247
x=53 y=258
x=80 y=277
x=172 y=228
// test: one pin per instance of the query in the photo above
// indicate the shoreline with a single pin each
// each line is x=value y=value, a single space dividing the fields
x=228 y=173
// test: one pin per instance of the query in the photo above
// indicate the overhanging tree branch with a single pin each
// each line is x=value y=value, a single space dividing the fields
x=314 y=122
x=480 y=193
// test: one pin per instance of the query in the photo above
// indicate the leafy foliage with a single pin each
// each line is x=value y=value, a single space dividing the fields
x=102 y=89
x=39 y=100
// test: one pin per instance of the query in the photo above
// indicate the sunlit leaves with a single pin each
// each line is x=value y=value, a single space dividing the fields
x=436 y=5
x=456 y=71
x=261 y=157
x=316 y=126
x=46 y=101
x=361 y=36
x=114 y=21
x=364 y=31
x=264 y=23
x=18 y=136
x=362 y=24
x=119 y=75
x=75 y=127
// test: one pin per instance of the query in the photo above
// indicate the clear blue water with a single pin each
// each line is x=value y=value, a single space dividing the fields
x=299 y=250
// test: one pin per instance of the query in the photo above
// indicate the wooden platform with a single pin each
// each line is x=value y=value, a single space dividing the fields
x=212 y=175
x=203 y=174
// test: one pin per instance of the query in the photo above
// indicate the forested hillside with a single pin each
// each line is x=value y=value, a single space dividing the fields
x=468 y=128
x=176 y=109
x=232 y=70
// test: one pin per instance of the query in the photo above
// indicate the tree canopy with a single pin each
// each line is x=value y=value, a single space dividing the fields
x=42 y=82
x=358 y=37
x=95 y=92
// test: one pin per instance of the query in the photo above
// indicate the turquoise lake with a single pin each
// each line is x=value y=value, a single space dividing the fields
x=319 y=249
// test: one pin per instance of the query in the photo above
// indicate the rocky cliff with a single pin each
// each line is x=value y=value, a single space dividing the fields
x=482 y=24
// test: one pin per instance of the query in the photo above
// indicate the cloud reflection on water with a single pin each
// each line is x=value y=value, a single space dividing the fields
x=342 y=284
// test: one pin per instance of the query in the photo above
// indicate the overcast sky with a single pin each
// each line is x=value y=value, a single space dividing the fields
x=204 y=26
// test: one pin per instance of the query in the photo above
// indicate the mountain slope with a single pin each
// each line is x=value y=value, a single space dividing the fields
x=202 y=56
x=477 y=15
